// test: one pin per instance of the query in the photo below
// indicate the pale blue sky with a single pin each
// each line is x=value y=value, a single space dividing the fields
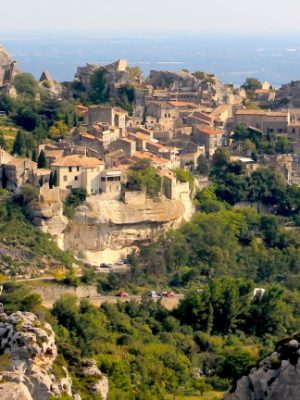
x=250 y=16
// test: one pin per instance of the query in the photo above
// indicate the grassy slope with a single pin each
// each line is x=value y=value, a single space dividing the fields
x=9 y=130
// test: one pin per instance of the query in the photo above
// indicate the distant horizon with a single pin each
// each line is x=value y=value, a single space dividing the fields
x=229 y=56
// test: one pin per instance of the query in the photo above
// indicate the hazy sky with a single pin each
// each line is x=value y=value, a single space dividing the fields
x=151 y=15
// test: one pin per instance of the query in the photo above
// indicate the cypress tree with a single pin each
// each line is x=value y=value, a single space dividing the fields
x=19 y=146
x=42 y=160
x=75 y=120
x=55 y=179
x=51 y=180
x=2 y=141
x=41 y=182
x=34 y=155
x=66 y=119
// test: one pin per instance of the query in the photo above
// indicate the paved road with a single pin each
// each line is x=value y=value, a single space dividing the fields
x=169 y=302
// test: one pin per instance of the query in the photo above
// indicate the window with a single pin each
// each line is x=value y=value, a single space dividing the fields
x=70 y=169
x=78 y=168
x=65 y=178
x=76 y=178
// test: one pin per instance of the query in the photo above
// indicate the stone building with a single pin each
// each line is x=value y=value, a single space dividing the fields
x=18 y=172
x=111 y=181
x=209 y=137
x=74 y=172
x=113 y=116
x=190 y=154
x=267 y=121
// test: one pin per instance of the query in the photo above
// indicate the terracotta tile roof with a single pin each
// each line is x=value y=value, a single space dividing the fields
x=262 y=113
x=119 y=110
x=209 y=131
x=20 y=160
x=179 y=104
x=140 y=136
x=54 y=153
x=166 y=173
x=90 y=137
x=219 y=110
x=262 y=91
x=77 y=161
x=148 y=156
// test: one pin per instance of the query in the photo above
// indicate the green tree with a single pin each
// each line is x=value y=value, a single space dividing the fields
x=42 y=160
x=237 y=364
x=269 y=314
x=34 y=156
x=143 y=176
x=99 y=92
x=29 y=194
x=2 y=141
x=251 y=84
x=203 y=165
x=25 y=84
x=185 y=176
x=19 y=146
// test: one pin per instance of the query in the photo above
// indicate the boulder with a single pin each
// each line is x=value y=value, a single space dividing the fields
x=277 y=377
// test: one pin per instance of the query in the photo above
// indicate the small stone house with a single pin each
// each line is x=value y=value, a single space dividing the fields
x=76 y=171
x=18 y=172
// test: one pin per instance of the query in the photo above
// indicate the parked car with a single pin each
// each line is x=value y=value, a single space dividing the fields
x=153 y=294
x=169 y=294
x=123 y=294
x=166 y=294
x=104 y=265
x=120 y=262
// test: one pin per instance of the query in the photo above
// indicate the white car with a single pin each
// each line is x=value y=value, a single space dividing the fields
x=153 y=295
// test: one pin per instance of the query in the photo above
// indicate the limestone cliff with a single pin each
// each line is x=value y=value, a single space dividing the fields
x=108 y=230
x=210 y=89
x=28 y=352
x=7 y=68
x=105 y=231
x=277 y=377
x=288 y=95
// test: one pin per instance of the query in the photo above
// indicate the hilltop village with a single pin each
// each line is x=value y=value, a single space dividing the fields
x=149 y=236
x=137 y=149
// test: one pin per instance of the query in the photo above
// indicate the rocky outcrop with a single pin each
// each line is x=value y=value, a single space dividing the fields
x=277 y=377
x=100 y=382
x=288 y=95
x=28 y=351
x=27 y=354
x=7 y=68
x=109 y=230
x=48 y=215
x=114 y=74
x=211 y=90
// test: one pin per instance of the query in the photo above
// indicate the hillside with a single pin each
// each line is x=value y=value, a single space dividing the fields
x=24 y=249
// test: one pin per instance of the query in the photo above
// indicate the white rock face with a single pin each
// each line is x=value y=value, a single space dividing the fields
x=112 y=229
x=276 y=378
x=28 y=351
x=105 y=231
